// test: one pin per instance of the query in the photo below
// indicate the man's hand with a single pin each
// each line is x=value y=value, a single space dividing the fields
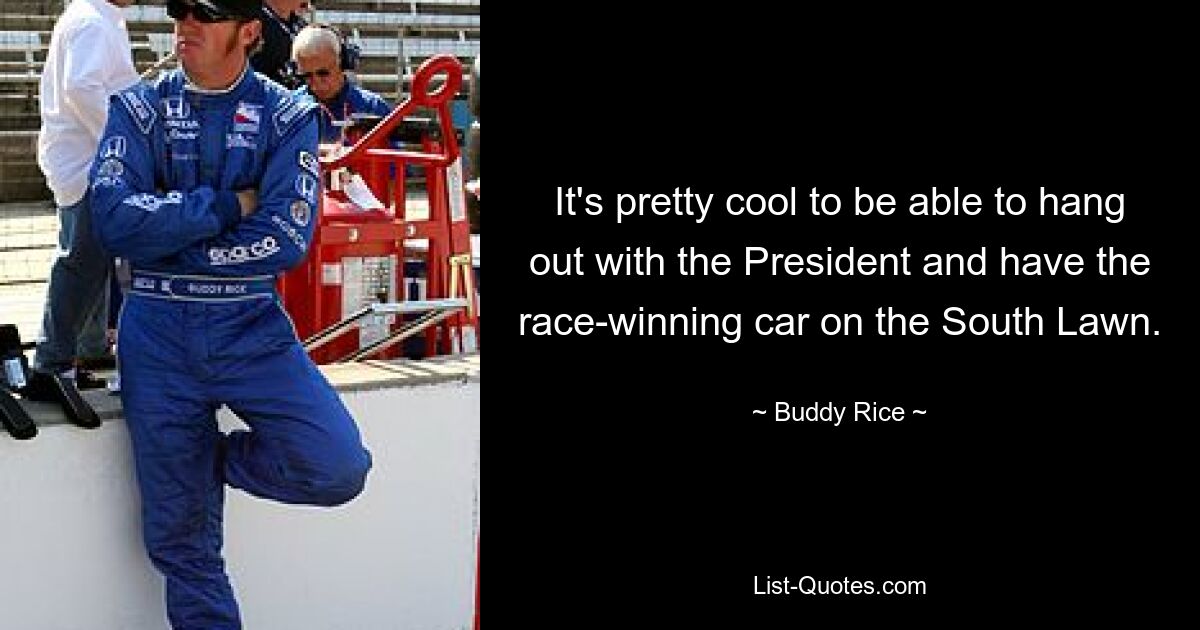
x=249 y=201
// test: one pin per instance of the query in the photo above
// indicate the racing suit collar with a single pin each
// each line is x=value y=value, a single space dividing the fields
x=238 y=84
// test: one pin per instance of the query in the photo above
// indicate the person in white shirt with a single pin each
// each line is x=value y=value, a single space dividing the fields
x=88 y=61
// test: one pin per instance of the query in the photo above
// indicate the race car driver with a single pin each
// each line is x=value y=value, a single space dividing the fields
x=207 y=182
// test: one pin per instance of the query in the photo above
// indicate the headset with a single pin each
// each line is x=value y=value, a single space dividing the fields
x=350 y=52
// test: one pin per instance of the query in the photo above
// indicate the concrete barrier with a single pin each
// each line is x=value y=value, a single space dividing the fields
x=402 y=555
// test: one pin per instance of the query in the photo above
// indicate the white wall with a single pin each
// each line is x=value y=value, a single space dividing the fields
x=402 y=555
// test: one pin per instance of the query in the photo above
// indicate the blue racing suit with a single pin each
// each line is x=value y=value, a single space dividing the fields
x=350 y=100
x=202 y=326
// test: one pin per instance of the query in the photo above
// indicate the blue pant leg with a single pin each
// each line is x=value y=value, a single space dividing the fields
x=78 y=280
x=303 y=447
x=175 y=445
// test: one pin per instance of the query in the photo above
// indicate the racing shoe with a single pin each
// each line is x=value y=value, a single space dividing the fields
x=62 y=389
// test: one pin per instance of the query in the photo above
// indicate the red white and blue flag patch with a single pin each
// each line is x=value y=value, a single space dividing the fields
x=247 y=117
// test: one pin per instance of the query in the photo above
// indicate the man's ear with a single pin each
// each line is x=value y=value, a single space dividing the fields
x=250 y=32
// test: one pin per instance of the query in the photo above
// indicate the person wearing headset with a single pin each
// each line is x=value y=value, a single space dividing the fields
x=321 y=59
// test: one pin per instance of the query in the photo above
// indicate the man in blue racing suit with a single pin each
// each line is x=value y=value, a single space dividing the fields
x=207 y=182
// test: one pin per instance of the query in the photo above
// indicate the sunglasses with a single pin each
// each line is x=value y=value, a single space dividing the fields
x=322 y=73
x=200 y=9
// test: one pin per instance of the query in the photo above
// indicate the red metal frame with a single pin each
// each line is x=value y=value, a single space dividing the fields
x=343 y=230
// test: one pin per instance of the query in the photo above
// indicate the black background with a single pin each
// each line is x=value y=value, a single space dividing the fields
x=636 y=489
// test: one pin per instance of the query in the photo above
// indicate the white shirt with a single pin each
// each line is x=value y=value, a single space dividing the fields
x=89 y=60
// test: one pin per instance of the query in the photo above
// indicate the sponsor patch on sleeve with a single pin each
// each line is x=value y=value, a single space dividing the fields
x=151 y=203
x=289 y=111
x=306 y=186
x=139 y=108
x=109 y=174
x=114 y=147
x=290 y=231
x=309 y=163
x=301 y=212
